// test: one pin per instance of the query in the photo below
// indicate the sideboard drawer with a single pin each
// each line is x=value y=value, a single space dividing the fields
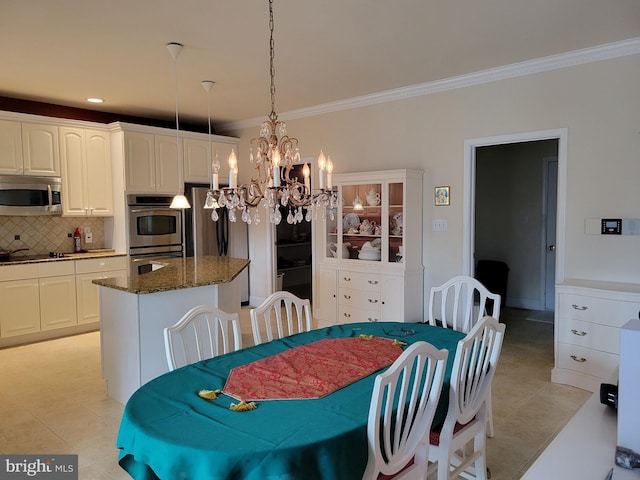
x=585 y=360
x=590 y=335
x=359 y=281
x=360 y=298
x=597 y=310
x=348 y=314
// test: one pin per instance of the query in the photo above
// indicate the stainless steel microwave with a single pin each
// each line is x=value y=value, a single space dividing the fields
x=25 y=195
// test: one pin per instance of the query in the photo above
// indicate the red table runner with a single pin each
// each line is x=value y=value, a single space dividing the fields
x=311 y=371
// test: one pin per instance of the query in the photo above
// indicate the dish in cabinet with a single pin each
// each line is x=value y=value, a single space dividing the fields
x=349 y=221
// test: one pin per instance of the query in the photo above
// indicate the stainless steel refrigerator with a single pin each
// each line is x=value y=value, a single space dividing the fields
x=204 y=236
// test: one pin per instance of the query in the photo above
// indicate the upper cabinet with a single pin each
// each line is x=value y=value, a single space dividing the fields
x=378 y=220
x=197 y=160
x=40 y=152
x=152 y=163
x=11 y=148
x=29 y=149
x=86 y=172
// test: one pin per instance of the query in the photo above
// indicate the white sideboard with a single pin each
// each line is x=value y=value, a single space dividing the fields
x=587 y=330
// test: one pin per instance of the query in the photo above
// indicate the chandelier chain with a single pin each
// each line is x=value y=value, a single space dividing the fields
x=272 y=69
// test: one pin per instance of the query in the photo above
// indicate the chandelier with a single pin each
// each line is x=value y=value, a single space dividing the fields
x=276 y=153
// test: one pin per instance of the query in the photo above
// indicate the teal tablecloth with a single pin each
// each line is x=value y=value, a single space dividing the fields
x=167 y=432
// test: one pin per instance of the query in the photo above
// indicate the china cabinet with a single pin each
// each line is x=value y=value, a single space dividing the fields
x=373 y=245
x=589 y=315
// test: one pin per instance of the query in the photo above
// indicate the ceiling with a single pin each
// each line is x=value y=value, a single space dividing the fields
x=325 y=51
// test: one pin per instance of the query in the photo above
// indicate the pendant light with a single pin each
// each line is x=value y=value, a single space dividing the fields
x=179 y=201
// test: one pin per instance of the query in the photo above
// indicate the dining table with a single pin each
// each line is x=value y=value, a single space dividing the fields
x=260 y=423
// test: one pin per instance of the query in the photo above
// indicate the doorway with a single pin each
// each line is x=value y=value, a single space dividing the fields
x=508 y=211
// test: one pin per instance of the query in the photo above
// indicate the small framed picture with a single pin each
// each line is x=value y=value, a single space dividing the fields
x=442 y=196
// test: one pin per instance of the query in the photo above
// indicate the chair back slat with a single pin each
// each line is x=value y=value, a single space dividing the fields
x=285 y=321
x=403 y=403
x=203 y=332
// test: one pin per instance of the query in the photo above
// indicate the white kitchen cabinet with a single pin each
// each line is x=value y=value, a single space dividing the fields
x=57 y=284
x=152 y=163
x=11 y=162
x=197 y=160
x=40 y=150
x=19 y=294
x=87 y=293
x=374 y=246
x=587 y=330
x=86 y=172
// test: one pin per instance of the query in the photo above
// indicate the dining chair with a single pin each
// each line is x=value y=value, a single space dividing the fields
x=474 y=365
x=395 y=436
x=203 y=332
x=297 y=320
x=460 y=303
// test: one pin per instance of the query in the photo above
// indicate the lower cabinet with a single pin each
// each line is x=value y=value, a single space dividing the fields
x=88 y=294
x=21 y=307
x=349 y=296
x=587 y=330
x=47 y=296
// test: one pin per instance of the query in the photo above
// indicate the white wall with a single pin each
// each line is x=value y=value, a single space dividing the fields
x=598 y=103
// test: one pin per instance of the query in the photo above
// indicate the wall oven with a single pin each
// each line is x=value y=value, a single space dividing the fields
x=25 y=195
x=154 y=228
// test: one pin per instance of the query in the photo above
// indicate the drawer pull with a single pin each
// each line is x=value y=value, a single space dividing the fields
x=579 y=360
x=372 y=300
x=576 y=332
x=347 y=279
x=348 y=315
x=347 y=297
x=373 y=319
x=373 y=282
x=577 y=307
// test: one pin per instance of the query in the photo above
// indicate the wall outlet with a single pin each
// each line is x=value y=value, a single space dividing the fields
x=88 y=237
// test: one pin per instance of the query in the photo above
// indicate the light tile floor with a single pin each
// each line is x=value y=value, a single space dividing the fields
x=52 y=400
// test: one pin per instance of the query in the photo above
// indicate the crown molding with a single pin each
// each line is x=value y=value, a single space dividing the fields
x=529 y=67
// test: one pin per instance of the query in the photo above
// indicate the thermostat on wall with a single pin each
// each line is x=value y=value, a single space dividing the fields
x=611 y=226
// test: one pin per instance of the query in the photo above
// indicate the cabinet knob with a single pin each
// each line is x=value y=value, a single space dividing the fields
x=579 y=360
x=576 y=332
x=578 y=307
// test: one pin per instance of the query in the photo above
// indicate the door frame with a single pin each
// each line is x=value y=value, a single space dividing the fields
x=468 y=229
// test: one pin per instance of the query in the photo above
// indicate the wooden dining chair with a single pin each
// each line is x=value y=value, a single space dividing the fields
x=203 y=332
x=474 y=365
x=395 y=435
x=460 y=303
x=295 y=318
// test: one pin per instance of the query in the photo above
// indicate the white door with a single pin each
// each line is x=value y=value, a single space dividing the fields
x=551 y=167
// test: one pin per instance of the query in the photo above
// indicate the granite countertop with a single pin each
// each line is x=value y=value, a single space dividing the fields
x=180 y=273
x=98 y=253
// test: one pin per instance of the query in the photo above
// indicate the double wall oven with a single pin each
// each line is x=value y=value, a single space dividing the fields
x=155 y=230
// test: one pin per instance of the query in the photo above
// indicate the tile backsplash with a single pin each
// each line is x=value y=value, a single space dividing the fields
x=42 y=234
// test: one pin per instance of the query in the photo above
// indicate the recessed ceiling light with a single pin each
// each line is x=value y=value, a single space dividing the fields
x=95 y=100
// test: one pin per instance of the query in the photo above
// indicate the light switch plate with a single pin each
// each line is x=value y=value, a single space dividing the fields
x=440 y=226
x=88 y=237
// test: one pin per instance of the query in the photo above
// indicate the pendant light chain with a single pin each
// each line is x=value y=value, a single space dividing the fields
x=272 y=69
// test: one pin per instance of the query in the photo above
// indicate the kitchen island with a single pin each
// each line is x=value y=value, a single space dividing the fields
x=135 y=310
